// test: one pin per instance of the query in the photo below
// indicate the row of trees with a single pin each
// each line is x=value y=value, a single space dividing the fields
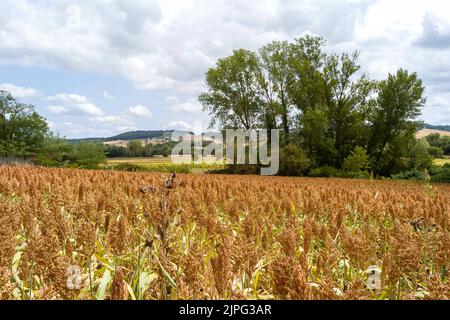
x=136 y=148
x=326 y=108
x=25 y=135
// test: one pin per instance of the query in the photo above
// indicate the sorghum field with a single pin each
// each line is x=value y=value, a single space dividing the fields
x=74 y=234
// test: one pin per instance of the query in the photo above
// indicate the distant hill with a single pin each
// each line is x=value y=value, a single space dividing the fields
x=141 y=134
x=122 y=138
x=133 y=135
x=441 y=128
x=426 y=132
x=86 y=140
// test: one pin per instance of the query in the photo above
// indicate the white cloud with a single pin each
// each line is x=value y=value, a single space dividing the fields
x=19 y=92
x=170 y=44
x=139 y=111
x=108 y=119
x=436 y=34
x=160 y=44
x=89 y=108
x=107 y=96
x=75 y=129
x=80 y=130
x=74 y=104
x=57 y=109
x=101 y=124
x=189 y=106
x=178 y=125
x=112 y=120
x=52 y=125
x=68 y=98
x=437 y=110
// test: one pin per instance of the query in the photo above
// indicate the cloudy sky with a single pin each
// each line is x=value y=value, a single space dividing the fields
x=101 y=67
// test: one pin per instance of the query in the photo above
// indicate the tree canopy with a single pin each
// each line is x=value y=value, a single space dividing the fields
x=22 y=130
x=322 y=102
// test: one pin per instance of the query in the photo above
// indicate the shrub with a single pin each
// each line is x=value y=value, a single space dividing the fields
x=443 y=177
x=354 y=174
x=325 y=172
x=244 y=169
x=357 y=161
x=55 y=152
x=88 y=155
x=440 y=174
x=419 y=157
x=293 y=161
x=410 y=175
x=435 y=152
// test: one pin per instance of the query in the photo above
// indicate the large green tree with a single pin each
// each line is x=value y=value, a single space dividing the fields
x=88 y=155
x=275 y=74
x=395 y=119
x=306 y=61
x=233 y=93
x=323 y=102
x=22 y=130
x=348 y=102
x=136 y=148
x=55 y=151
x=314 y=137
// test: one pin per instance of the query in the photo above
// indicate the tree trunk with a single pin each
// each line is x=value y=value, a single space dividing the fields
x=285 y=120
